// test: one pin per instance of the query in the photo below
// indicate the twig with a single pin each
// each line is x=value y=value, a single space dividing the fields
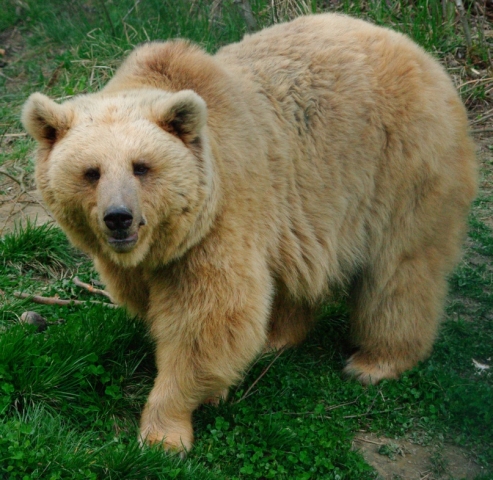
x=5 y=200
x=215 y=11
x=465 y=25
x=373 y=401
x=14 y=178
x=247 y=14
x=327 y=409
x=333 y=407
x=109 y=18
x=482 y=118
x=259 y=357
x=484 y=130
x=476 y=81
x=14 y=134
x=372 y=413
x=136 y=4
x=92 y=289
x=266 y=369
x=359 y=439
x=5 y=76
x=58 y=301
x=11 y=213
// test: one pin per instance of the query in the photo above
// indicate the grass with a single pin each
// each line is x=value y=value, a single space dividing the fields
x=70 y=397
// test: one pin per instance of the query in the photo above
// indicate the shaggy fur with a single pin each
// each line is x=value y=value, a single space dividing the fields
x=318 y=154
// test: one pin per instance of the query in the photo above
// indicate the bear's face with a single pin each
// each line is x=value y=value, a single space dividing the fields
x=124 y=173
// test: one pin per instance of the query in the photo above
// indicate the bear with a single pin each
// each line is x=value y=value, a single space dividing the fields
x=224 y=197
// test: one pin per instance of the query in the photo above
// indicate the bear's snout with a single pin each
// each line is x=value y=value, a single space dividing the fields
x=118 y=218
x=119 y=221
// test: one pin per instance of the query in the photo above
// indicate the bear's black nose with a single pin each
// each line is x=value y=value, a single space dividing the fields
x=118 y=218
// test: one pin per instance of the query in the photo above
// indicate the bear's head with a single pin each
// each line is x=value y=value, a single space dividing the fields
x=129 y=175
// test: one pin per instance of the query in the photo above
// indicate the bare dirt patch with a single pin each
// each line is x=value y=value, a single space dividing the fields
x=19 y=205
x=12 y=44
x=27 y=208
x=402 y=459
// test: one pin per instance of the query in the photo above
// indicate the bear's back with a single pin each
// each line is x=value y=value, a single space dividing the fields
x=361 y=119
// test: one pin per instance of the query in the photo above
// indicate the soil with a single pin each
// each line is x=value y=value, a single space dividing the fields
x=27 y=207
x=402 y=459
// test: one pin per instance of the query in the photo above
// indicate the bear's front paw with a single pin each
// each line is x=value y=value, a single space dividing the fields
x=370 y=371
x=177 y=440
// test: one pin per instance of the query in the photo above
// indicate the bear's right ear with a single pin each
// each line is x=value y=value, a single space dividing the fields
x=45 y=120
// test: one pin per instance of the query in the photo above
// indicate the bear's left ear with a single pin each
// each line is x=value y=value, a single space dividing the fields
x=45 y=120
x=184 y=114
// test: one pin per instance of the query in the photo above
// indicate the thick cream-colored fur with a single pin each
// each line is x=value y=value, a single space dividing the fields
x=318 y=154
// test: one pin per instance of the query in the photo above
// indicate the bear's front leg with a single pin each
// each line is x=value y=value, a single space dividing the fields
x=167 y=416
x=208 y=327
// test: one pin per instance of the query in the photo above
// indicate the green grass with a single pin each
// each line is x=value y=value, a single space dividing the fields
x=42 y=245
x=71 y=396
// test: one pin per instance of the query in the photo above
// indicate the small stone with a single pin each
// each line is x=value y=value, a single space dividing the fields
x=33 y=318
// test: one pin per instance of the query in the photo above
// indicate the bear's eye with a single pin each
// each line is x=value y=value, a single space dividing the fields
x=92 y=174
x=140 y=169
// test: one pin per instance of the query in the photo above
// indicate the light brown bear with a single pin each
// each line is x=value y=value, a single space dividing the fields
x=223 y=197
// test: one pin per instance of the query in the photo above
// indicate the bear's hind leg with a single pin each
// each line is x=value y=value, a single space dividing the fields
x=395 y=315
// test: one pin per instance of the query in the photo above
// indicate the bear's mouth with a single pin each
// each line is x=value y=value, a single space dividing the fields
x=122 y=242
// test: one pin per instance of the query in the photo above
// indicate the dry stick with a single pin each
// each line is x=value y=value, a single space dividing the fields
x=327 y=409
x=14 y=135
x=247 y=14
x=465 y=25
x=368 y=410
x=20 y=181
x=372 y=413
x=266 y=369
x=484 y=130
x=333 y=407
x=273 y=10
x=337 y=406
x=486 y=116
x=5 y=76
x=136 y=4
x=11 y=213
x=214 y=13
x=92 y=289
x=58 y=301
x=107 y=14
x=16 y=201
x=5 y=200
x=359 y=439
x=14 y=178
x=470 y=82
x=259 y=357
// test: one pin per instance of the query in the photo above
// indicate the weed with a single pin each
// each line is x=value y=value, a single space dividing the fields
x=439 y=464
x=391 y=450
